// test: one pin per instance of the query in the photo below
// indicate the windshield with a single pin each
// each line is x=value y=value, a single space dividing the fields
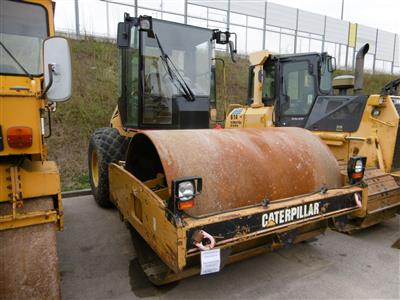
x=23 y=27
x=189 y=51
x=326 y=75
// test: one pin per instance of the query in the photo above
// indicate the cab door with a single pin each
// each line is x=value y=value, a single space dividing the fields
x=297 y=93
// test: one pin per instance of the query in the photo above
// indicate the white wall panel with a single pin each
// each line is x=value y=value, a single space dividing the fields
x=337 y=31
x=218 y=4
x=385 y=45
x=248 y=7
x=311 y=22
x=281 y=16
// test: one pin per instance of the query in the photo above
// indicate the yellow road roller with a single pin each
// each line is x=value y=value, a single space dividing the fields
x=35 y=73
x=197 y=199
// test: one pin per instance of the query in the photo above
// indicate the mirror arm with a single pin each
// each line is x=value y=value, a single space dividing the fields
x=49 y=118
x=50 y=67
x=232 y=47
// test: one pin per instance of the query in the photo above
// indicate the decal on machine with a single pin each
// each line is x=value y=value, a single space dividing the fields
x=286 y=215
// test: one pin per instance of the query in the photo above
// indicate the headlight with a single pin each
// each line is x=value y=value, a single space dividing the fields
x=185 y=191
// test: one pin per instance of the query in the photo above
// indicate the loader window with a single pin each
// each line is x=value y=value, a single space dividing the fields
x=337 y=113
x=325 y=84
x=298 y=89
x=23 y=27
x=269 y=84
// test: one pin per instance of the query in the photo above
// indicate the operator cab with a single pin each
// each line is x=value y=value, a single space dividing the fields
x=292 y=83
x=166 y=73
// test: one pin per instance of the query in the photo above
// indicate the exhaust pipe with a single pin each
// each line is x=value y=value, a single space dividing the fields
x=359 y=70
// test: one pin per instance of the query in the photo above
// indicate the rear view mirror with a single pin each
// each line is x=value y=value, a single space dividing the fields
x=331 y=64
x=123 y=35
x=57 y=69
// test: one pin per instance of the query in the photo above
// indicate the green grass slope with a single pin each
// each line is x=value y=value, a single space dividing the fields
x=95 y=84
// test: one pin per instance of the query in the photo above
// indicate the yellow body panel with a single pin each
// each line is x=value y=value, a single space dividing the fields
x=250 y=117
x=375 y=138
x=25 y=173
x=21 y=111
x=144 y=207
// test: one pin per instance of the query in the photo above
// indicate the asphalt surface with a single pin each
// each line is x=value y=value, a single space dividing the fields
x=97 y=261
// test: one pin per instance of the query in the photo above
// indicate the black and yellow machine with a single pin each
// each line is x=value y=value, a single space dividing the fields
x=35 y=72
x=197 y=198
x=297 y=90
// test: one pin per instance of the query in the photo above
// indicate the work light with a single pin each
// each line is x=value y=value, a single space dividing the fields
x=356 y=168
x=145 y=23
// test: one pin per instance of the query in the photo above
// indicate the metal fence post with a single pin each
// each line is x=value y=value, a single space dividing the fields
x=347 y=46
x=295 y=32
x=108 y=21
x=376 y=48
x=228 y=23
x=265 y=23
x=394 y=53
x=77 y=31
x=136 y=8
x=185 y=16
x=323 y=36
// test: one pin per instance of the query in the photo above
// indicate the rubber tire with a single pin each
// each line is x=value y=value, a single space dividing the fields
x=110 y=147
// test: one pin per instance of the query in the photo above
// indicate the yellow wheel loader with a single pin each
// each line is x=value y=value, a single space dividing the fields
x=195 y=198
x=35 y=73
x=297 y=90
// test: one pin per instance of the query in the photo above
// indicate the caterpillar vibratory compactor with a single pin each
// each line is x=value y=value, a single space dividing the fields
x=197 y=198
x=35 y=72
x=296 y=90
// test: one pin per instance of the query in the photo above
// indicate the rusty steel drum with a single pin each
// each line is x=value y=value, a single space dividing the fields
x=239 y=167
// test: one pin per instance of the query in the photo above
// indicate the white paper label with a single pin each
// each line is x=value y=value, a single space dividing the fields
x=210 y=261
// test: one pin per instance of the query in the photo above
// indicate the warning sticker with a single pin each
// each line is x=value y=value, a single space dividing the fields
x=210 y=261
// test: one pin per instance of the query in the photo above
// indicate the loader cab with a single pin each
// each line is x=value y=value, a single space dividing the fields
x=292 y=83
x=166 y=74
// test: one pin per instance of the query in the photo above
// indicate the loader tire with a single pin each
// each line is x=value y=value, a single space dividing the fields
x=106 y=146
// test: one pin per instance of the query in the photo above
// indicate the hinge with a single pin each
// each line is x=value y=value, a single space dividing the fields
x=14 y=187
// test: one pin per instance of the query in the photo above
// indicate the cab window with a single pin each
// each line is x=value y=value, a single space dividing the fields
x=326 y=75
x=298 y=86
x=23 y=27
x=269 y=84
